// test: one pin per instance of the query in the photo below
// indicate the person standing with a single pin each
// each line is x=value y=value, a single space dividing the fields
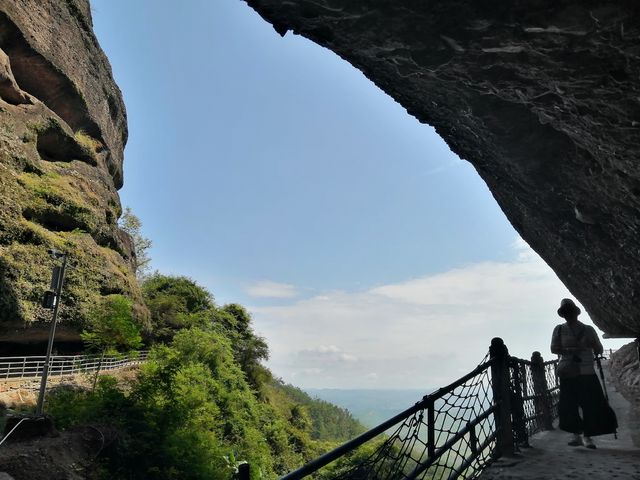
x=576 y=344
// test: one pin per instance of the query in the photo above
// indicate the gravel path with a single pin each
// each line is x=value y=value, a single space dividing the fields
x=550 y=458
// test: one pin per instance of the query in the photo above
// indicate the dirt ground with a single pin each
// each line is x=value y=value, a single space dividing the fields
x=69 y=456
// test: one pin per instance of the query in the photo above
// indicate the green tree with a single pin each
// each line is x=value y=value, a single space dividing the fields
x=249 y=349
x=175 y=302
x=111 y=327
x=132 y=225
x=300 y=417
x=203 y=401
x=189 y=413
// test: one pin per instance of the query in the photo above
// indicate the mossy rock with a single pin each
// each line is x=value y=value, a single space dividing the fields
x=63 y=202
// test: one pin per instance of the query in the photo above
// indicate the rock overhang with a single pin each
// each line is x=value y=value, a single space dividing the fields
x=542 y=97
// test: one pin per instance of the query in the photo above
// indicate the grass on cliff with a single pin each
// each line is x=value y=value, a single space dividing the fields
x=26 y=267
x=53 y=197
x=88 y=142
x=60 y=203
x=61 y=211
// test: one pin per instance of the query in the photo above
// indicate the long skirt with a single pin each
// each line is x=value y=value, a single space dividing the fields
x=585 y=392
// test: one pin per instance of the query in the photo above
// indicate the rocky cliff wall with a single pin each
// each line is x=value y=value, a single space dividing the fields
x=541 y=96
x=62 y=135
x=624 y=366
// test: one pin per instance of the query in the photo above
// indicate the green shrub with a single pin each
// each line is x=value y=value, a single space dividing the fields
x=72 y=406
x=111 y=325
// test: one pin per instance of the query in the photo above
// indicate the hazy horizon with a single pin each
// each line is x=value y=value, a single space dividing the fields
x=371 y=406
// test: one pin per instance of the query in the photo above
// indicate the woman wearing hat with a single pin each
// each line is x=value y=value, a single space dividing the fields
x=576 y=344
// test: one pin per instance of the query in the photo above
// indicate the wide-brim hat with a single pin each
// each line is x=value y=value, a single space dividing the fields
x=567 y=307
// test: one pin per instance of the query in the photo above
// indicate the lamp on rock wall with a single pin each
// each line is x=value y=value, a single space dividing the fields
x=52 y=300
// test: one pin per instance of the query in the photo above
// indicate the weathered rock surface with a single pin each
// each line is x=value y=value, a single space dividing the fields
x=55 y=57
x=625 y=362
x=624 y=366
x=62 y=135
x=541 y=96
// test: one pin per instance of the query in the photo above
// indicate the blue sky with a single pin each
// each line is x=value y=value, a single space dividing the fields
x=278 y=176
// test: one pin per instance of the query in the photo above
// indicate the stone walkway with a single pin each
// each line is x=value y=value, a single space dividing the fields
x=550 y=458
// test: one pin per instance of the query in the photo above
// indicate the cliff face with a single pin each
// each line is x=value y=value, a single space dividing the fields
x=541 y=96
x=62 y=135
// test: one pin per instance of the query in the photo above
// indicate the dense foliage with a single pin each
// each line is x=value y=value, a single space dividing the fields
x=175 y=303
x=327 y=421
x=203 y=402
x=111 y=325
x=248 y=348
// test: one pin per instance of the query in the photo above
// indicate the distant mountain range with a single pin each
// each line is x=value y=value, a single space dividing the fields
x=371 y=407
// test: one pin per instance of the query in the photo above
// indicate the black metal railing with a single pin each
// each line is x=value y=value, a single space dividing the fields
x=536 y=393
x=454 y=432
x=426 y=439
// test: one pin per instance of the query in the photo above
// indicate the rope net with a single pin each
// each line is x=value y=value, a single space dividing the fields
x=535 y=396
x=450 y=435
x=453 y=432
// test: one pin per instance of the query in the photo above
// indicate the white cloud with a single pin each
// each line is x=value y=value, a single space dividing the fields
x=269 y=289
x=324 y=355
x=421 y=333
x=327 y=349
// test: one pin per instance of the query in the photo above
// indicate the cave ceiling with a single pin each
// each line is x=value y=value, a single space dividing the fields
x=541 y=97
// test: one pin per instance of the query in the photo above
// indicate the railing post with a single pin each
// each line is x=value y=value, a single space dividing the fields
x=431 y=429
x=541 y=390
x=500 y=386
x=473 y=438
x=244 y=472
x=517 y=405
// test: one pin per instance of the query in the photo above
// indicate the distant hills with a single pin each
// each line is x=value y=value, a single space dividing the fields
x=371 y=407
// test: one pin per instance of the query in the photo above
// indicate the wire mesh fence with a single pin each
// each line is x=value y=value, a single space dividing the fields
x=450 y=433
x=19 y=368
x=454 y=432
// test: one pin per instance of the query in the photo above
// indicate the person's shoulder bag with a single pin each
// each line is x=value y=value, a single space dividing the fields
x=569 y=366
